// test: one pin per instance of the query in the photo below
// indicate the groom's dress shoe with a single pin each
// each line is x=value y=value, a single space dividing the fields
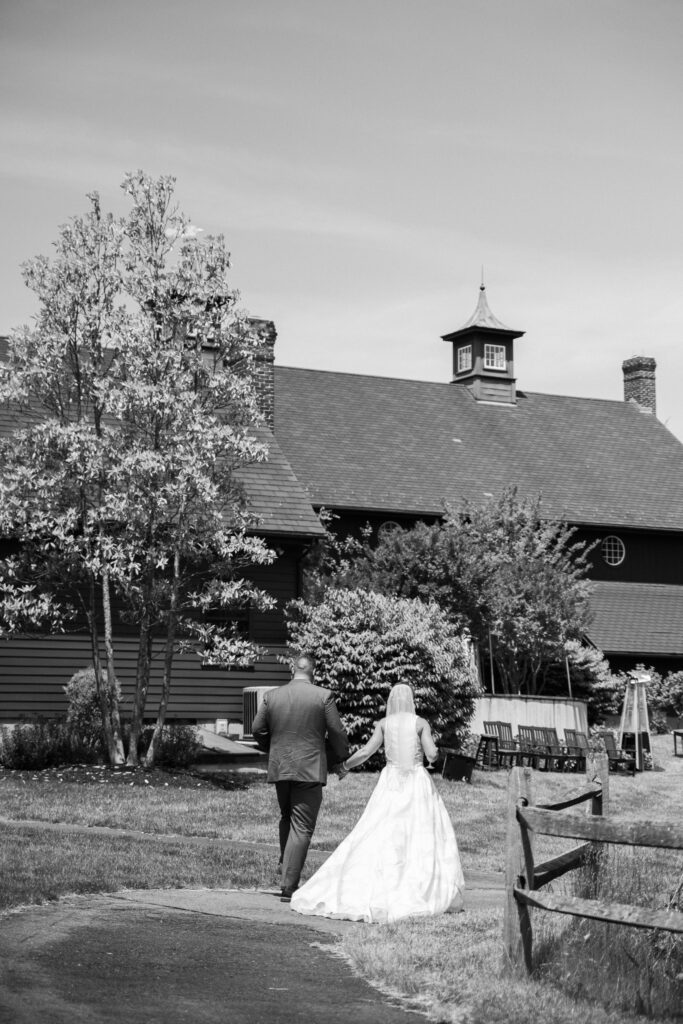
x=286 y=895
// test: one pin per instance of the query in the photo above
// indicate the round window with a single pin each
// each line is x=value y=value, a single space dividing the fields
x=387 y=527
x=613 y=550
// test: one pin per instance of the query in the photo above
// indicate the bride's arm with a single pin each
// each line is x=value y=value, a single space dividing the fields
x=370 y=748
x=427 y=741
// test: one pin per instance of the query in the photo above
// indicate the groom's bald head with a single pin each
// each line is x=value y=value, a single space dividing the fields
x=305 y=665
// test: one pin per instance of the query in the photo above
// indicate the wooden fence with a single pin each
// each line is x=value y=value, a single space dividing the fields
x=524 y=878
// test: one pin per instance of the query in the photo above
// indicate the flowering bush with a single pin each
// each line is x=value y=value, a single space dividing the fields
x=84 y=716
x=364 y=643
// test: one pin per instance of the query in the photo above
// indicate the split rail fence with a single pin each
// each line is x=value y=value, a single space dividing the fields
x=524 y=878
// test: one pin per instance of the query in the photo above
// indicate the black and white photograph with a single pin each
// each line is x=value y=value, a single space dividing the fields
x=341 y=512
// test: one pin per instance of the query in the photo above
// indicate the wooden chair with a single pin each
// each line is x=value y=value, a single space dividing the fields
x=506 y=748
x=577 y=746
x=487 y=748
x=559 y=758
x=528 y=748
x=617 y=758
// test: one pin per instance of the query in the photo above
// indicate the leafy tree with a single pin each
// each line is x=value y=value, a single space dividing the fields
x=137 y=390
x=364 y=643
x=510 y=576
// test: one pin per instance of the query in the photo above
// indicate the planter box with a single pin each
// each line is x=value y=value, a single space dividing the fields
x=458 y=766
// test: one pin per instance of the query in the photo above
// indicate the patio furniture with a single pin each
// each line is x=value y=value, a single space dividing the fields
x=617 y=758
x=487 y=749
x=529 y=751
x=577 y=746
x=559 y=759
x=507 y=748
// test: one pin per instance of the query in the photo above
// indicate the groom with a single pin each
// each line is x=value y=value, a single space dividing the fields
x=295 y=723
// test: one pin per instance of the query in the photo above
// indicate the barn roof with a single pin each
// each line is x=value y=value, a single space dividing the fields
x=637 y=618
x=390 y=445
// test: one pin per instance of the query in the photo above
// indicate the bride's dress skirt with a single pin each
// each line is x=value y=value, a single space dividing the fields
x=401 y=859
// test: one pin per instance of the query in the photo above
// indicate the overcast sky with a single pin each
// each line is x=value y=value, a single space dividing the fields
x=365 y=158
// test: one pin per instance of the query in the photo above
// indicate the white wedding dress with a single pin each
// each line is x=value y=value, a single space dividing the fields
x=401 y=859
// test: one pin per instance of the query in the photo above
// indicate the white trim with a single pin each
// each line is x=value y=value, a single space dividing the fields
x=495 y=351
x=464 y=358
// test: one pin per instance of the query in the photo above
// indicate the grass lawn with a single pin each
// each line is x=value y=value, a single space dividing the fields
x=449 y=965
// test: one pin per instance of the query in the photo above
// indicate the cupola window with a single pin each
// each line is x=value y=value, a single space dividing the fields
x=613 y=550
x=494 y=357
x=464 y=358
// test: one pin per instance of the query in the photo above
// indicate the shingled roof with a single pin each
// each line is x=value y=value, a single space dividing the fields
x=277 y=498
x=637 y=618
x=389 y=445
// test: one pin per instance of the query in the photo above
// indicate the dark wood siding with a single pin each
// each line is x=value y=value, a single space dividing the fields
x=650 y=557
x=34 y=670
x=34 y=673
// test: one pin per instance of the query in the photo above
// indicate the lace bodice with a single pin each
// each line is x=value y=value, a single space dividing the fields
x=402 y=745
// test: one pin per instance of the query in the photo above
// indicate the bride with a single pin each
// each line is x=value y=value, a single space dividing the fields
x=401 y=859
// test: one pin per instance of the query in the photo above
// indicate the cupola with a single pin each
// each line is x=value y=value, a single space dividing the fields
x=483 y=355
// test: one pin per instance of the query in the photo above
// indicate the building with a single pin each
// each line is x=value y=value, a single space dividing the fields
x=384 y=450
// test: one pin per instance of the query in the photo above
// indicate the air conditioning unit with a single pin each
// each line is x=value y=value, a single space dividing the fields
x=251 y=700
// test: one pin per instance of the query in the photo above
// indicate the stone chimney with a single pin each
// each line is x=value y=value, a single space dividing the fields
x=265 y=377
x=639 y=382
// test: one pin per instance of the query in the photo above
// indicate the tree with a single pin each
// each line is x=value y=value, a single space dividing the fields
x=510 y=576
x=137 y=386
x=364 y=643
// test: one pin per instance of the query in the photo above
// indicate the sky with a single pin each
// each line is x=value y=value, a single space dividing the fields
x=365 y=159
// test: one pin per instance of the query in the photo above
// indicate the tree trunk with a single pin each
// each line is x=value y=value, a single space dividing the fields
x=111 y=699
x=112 y=738
x=168 y=665
x=141 y=683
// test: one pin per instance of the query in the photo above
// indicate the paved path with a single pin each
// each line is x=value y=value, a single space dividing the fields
x=189 y=955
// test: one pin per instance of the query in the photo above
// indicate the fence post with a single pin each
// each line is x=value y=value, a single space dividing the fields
x=597 y=773
x=517 y=937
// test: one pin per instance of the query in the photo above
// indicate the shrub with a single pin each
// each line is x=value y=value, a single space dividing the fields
x=591 y=679
x=83 y=714
x=607 y=697
x=666 y=695
x=364 y=643
x=44 y=743
x=178 y=747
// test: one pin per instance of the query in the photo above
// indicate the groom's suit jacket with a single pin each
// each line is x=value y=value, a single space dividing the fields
x=299 y=725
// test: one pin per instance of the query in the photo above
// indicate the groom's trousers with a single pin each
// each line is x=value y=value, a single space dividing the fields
x=299 y=805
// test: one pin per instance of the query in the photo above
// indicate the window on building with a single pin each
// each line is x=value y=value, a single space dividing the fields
x=494 y=357
x=387 y=527
x=464 y=358
x=613 y=550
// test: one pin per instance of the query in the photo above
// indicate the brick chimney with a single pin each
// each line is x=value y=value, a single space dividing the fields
x=639 y=382
x=265 y=377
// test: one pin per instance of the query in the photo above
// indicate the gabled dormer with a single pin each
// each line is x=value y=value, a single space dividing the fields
x=483 y=355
